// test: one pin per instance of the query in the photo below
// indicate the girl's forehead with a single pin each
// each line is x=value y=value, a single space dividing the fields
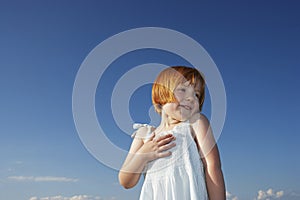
x=186 y=83
x=189 y=84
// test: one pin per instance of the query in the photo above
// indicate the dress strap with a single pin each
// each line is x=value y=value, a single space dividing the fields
x=138 y=125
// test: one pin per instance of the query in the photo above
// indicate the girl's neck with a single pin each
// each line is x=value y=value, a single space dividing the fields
x=168 y=124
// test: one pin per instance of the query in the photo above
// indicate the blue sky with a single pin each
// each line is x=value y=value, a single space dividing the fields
x=255 y=45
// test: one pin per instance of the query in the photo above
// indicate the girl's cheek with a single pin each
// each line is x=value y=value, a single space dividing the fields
x=178 y=96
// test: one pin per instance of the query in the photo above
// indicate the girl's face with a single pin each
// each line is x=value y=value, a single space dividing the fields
x=187 y=103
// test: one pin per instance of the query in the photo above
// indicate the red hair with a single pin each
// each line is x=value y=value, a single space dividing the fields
x=169 y=79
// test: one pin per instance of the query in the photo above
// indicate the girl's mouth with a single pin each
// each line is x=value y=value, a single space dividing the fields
x=186 y=107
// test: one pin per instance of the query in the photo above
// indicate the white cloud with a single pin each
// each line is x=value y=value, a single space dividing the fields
x=76 y=197
x=270 y=194
x=42 y=179
x=230 y=196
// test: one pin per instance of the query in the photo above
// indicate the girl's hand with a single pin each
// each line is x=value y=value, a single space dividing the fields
x=157 y=148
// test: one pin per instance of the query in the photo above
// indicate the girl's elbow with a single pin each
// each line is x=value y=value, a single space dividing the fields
x=125 y=183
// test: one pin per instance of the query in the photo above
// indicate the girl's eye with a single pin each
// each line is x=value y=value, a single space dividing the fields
x=181 y=89
x=197 y=95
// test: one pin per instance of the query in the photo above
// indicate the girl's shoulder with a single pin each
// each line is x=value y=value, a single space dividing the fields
x=200 y=125
x=143 y=131
x=199 y=118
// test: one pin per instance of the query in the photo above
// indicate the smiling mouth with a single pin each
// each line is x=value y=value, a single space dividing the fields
x=186 y=107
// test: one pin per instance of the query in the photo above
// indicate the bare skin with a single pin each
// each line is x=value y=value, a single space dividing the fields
x=209 y=153
x=141 y=152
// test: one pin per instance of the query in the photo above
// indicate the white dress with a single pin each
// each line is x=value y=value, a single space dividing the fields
x=179 y=176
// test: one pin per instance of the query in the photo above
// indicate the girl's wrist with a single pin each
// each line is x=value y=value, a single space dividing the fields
x=143 y=156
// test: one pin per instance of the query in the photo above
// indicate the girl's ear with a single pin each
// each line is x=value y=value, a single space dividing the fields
x=158 y=108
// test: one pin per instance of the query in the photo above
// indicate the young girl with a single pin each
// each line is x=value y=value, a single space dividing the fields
x=179 y=158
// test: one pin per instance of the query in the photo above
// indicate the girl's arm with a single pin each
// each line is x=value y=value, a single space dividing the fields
x=133 y=165
x=211 y=159
x=141 y=153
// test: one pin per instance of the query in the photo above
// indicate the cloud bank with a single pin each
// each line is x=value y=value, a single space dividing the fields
x=270 y=194
x=76 y=197
x=42 y=179
x=230 y=196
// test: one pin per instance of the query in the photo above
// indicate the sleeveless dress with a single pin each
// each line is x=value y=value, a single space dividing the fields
x=176 y=177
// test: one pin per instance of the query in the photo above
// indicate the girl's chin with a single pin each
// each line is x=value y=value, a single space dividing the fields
x=183 y=118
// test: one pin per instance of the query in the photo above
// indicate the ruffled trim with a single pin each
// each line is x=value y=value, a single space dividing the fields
x=136 y=126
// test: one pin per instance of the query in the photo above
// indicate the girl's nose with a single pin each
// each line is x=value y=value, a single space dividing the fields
x=189 y=97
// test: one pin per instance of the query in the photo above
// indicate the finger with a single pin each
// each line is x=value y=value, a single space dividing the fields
x=166 y=141
x=164 y=154
x=164 y=137
x=151 y=136
x=166 y=147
